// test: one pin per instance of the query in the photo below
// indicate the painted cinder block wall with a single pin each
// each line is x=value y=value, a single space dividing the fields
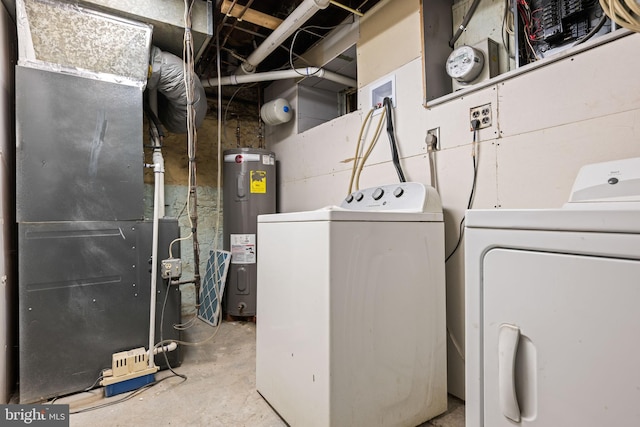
x=547 y=123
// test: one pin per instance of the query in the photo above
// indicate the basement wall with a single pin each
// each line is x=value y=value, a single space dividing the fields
x=547 y=123
x=176 y=188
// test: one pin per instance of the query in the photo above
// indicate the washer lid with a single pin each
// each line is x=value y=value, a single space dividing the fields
x=335 y=213
x=606 y=220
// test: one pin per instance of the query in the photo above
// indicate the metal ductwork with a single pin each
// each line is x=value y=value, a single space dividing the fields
x=167 y=18
x=298 y=17
x=167 y=76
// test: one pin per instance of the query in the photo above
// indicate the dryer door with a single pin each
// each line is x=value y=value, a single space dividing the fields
x=561 y=339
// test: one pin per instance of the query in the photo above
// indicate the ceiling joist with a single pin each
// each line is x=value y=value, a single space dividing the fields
x=250 y=15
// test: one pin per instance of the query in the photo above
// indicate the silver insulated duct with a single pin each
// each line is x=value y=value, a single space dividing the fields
x=167 y=77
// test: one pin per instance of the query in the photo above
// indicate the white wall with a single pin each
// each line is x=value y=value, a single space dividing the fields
x=546 y=124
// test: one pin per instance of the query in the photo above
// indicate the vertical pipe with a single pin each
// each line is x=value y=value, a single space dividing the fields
x=153 y=104
x=158 y=173
x=158 y=159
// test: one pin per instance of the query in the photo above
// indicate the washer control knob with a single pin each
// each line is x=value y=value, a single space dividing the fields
x=398 y=192
x=359 y=196
x=378 y=193
x=349 y=198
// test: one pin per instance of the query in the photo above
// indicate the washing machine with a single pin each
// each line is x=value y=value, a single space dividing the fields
x=552 y=318
x=351 y=310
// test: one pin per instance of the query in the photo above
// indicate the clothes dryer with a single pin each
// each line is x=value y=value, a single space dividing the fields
x=552 y=315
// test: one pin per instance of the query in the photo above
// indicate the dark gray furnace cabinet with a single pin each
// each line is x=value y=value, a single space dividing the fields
x=84 y=249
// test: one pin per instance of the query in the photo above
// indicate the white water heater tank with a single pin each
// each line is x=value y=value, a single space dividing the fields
x=276 y=112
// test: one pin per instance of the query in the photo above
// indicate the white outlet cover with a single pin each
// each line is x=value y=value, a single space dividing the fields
x=380 y=89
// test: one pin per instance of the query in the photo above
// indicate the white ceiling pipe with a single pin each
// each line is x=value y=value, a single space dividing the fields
x=280 y=75
x=294 y=21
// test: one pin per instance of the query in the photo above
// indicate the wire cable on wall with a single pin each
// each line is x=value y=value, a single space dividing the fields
x=465 y=23
x=194 y=319
x=164 y=353
x=192 y=140
x=307 y=29
x=508 y=28
x=432 y=146
x=392 y=139
x=358 y=163
x=593 y=31
x=218 y=185
x=474 y=156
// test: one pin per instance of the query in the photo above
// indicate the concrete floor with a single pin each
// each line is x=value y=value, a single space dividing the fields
x=219 y=392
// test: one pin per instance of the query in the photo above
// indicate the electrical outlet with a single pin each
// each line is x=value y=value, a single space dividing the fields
x=481 y=113
x=433 y=139
x=171 y=268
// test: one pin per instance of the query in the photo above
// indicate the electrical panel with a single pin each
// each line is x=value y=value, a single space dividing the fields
x=519 y=32
x=546 y=27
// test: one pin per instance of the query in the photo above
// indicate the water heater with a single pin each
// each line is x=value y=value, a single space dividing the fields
x=249 y=191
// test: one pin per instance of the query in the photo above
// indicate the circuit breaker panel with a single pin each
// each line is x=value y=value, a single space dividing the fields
x=546 y=27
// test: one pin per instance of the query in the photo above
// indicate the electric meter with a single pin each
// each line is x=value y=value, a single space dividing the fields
x=465 y=64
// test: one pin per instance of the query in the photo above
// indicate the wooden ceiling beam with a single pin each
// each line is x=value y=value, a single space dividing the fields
x=250 y=15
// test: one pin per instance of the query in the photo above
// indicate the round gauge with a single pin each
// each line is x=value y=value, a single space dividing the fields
x=465 y=64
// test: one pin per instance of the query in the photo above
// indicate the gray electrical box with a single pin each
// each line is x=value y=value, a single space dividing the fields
x=171 y=268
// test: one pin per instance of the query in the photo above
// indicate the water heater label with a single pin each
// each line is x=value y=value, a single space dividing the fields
x=259 y=182
x=268 y=159
x=243 y=248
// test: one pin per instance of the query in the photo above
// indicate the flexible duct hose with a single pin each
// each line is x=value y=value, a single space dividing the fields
x=167 y=76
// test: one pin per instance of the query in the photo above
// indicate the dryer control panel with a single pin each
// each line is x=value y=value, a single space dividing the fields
x=402 y=197
x=607 y=182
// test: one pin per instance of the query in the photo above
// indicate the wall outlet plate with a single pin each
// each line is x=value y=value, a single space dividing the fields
x=383 y=88
x=481 y=113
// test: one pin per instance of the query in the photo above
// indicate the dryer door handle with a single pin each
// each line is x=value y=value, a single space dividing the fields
x=508 y=338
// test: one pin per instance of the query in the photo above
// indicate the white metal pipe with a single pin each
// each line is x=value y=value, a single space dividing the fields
x=280 y=75
x=153 y=104
x=294 y=21
x=158 y=159
x=158 y=171
x=165 y=348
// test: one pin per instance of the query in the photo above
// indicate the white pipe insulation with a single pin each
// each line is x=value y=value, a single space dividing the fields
x=158 y=159
x=299 y=16
x=157 y=152
x=158 y=172
x=280 y=75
